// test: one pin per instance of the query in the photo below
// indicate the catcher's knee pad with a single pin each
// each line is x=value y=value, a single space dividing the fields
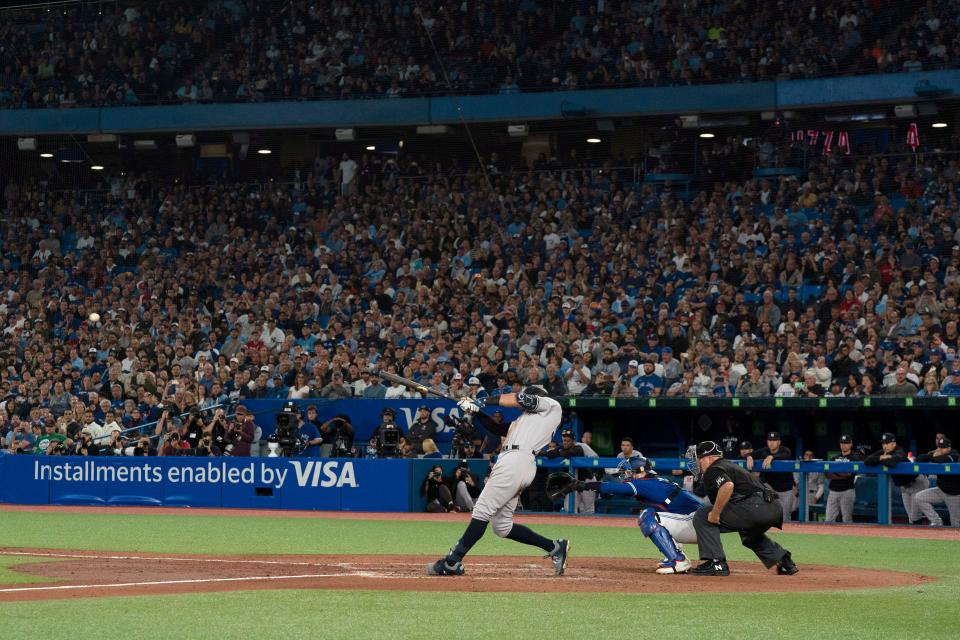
x=648 y=522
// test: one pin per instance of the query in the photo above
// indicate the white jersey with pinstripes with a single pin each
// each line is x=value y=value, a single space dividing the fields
x=535 y=428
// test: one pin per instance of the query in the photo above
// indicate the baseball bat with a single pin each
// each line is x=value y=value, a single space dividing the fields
x=416 y=386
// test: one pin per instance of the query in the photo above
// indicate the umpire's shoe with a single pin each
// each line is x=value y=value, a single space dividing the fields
x=711 y=568
x=787 y=567
x=559 y=556
x=442 y=568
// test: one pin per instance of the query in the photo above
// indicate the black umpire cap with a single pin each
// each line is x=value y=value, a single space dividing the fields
x=708 y=448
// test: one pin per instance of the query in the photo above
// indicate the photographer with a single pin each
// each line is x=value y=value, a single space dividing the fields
x=85 y=446
x=463 y=435
x=217 y=430
x=337 y=434
x=466 y=487
x=193 y=429
x=239 y=433
x=206 y=447
x=435 y=488
x=144 y=447
x=173 y=445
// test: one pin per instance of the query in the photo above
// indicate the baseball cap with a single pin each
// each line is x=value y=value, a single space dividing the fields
x=633 y=363
x=845 y=439
x=773 y=435
x=888 y=437
x=708 y=448
x=745 y=444
x=264 y=368
x=944 y=443
x=473 y=380
x=457 y=376
x=422 y=407
x=567 y=433
x=240 y=409
x=667 y=350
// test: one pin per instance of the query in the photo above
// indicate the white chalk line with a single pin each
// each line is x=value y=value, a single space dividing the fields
x=343 y=565
x=154 y=583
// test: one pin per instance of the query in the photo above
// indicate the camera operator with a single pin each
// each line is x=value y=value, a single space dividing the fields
x=466 y=487
x=337 y=434
x=217 y=430
x=434 y=487
x=388 y=439
x=463 y=434
x=240 y=432
x=310 y=438
x=167 y=420
x=57 y=449
x=421 y=429
x=115 y=445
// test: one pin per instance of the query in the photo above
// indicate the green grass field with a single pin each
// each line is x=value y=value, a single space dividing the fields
x=926 y=611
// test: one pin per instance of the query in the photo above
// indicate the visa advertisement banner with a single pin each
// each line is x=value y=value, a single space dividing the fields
x=255 y=483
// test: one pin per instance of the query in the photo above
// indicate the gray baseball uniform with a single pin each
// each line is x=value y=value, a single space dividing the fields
x=516 y=465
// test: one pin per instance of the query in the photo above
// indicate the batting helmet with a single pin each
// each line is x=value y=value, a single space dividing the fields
x=535 y=390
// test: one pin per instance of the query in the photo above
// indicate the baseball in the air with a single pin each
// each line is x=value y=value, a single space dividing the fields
x=94 y=317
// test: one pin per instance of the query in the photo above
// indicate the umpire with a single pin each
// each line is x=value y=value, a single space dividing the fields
x=741 y=504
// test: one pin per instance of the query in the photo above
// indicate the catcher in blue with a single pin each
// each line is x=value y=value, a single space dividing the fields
x=668 y=518
x=514 y=471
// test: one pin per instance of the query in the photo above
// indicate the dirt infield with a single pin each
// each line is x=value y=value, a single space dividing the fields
x=871 y=530
x=98 y=574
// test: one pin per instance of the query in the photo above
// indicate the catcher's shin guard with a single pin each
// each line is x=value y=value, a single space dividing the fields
x=650 y=527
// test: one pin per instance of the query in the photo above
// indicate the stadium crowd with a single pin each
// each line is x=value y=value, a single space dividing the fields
x=844 y=283
x=241 y=50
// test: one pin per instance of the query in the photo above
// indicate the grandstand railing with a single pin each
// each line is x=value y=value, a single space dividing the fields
x=800 y=468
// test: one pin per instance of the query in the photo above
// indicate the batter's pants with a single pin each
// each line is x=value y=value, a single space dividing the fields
x=512 y=474
x=925 y=500
x=840 y=503
x=909 y=492
x=751 y=518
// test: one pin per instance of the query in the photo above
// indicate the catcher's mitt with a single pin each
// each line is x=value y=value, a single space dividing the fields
x=560 y=484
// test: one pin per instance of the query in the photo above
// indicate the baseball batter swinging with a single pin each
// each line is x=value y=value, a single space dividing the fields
x=513 y=472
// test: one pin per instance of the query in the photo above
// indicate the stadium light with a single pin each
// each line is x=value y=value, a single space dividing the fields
x=264 y=152
x=371 y=147
x=594 y=140
x=706 y=135
x=46 y=155
x=96 y=167
x=939 y=125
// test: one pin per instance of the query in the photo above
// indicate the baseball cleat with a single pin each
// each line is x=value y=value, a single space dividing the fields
x=787 y=567
x=680 y=565
x=559 y=556
x=442 y=568
x=711 y=568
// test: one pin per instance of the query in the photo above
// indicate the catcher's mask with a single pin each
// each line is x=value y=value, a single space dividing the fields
x=632 y=467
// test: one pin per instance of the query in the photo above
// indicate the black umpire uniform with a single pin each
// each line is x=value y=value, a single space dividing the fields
x=751 y=510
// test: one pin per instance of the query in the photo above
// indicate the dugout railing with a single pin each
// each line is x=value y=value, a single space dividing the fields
x=800 y=468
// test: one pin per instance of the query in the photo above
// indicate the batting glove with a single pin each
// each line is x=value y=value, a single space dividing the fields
x=468 y=405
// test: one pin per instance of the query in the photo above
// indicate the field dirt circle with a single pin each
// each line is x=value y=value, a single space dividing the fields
x=98 y=574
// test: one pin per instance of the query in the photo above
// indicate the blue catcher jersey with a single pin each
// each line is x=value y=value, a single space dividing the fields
x=655 y=492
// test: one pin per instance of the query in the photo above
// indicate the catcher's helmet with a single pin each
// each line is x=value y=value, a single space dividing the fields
x=535 y=390
x=629 y=467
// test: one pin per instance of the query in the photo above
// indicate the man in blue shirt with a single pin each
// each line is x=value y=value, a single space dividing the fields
x=310 y=436
x=649 y=384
